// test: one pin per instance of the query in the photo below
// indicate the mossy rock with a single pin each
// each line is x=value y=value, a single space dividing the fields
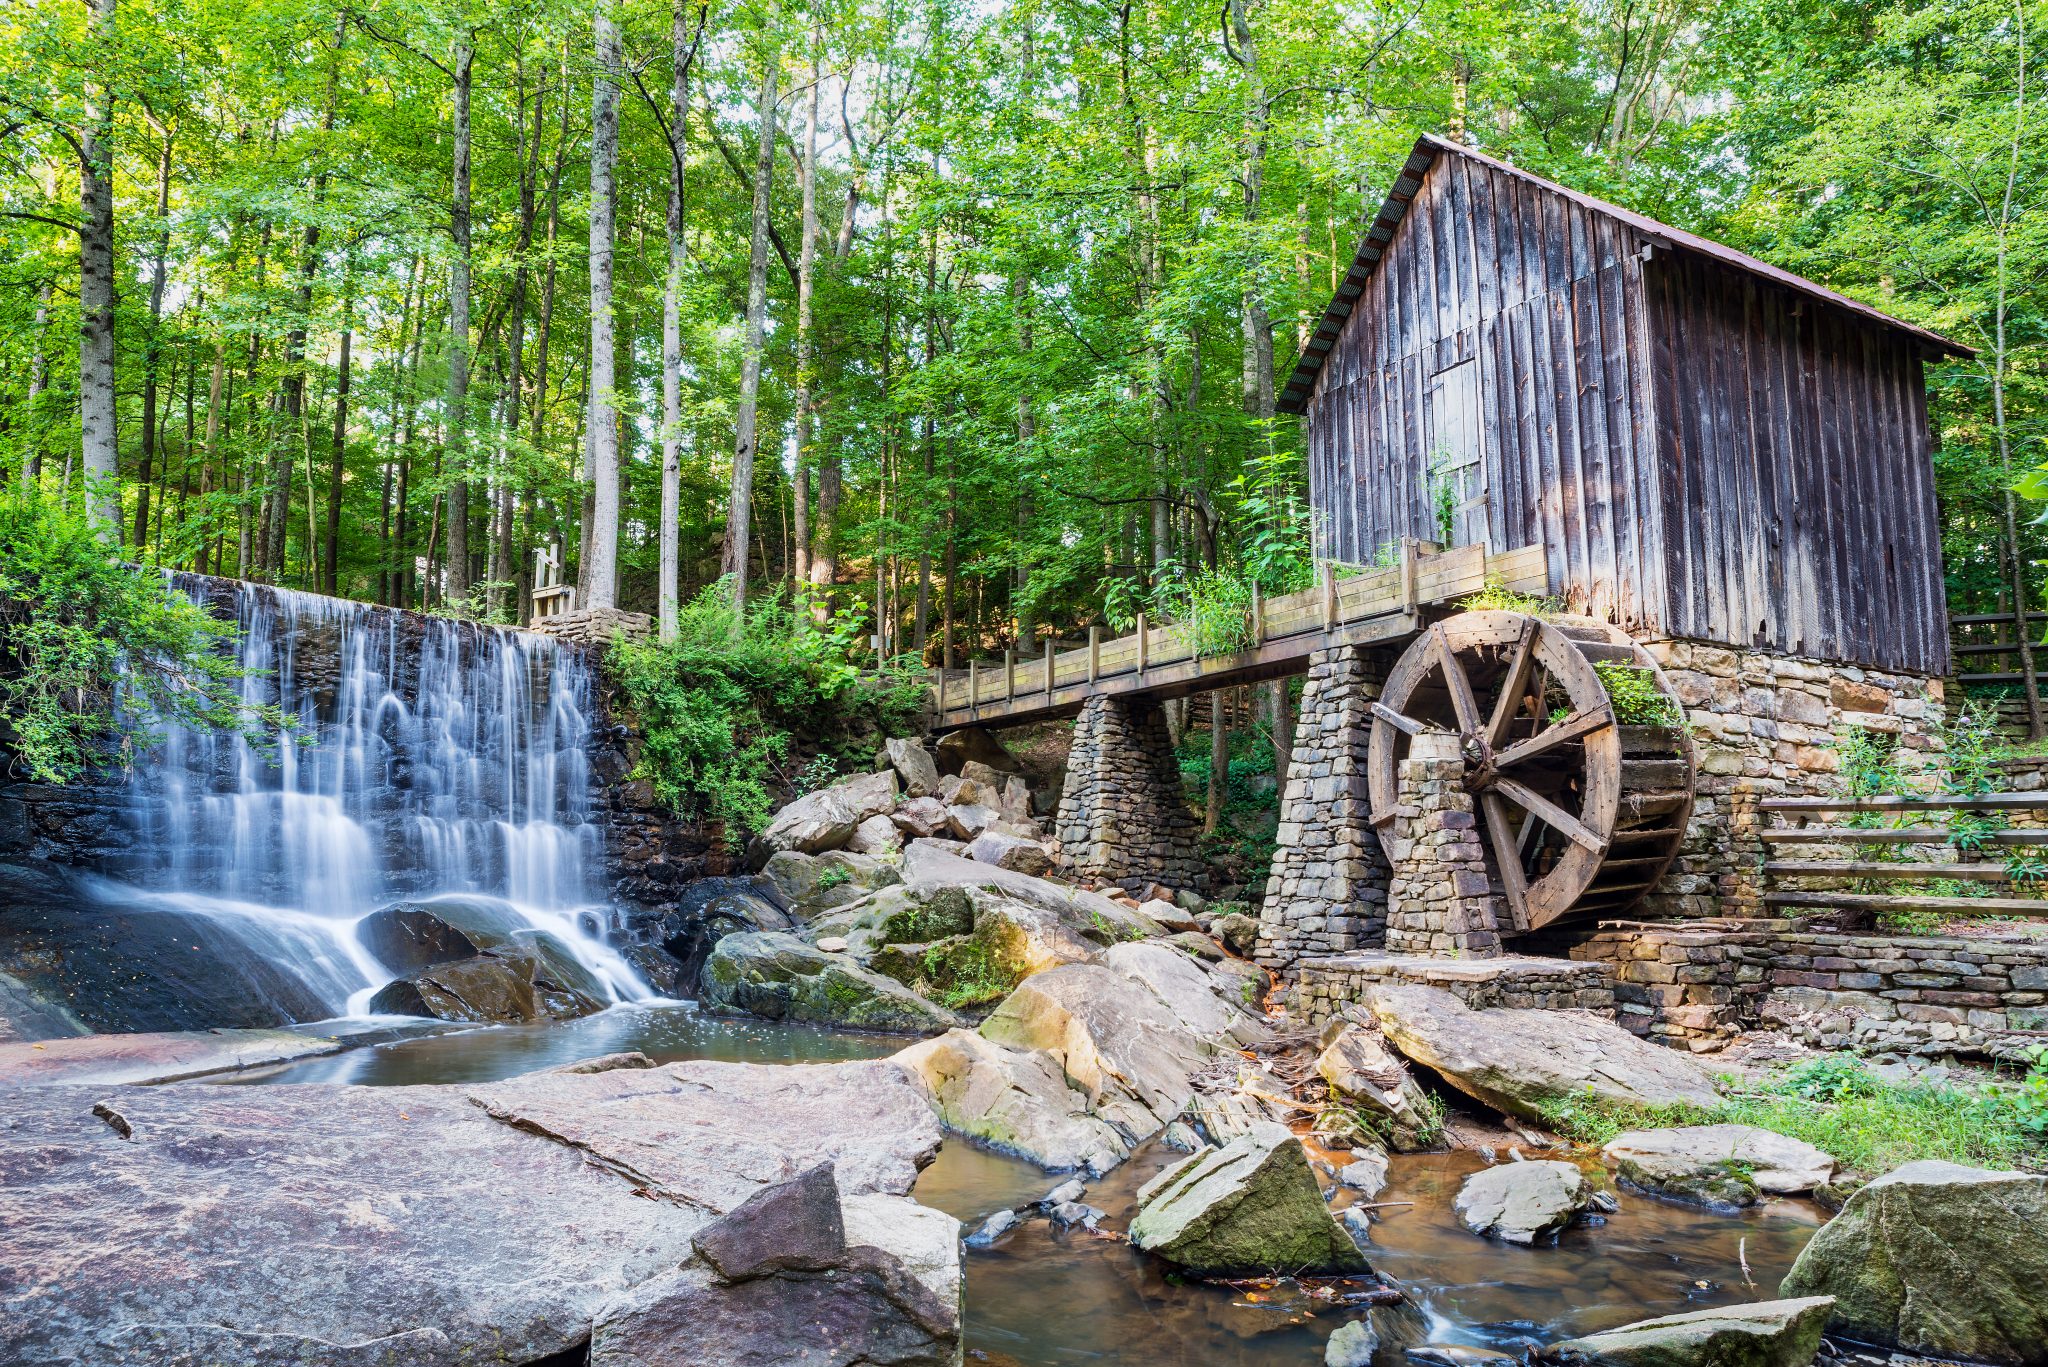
x=779 y=977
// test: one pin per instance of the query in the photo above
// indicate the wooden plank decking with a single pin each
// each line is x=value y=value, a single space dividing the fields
x=1384 y=606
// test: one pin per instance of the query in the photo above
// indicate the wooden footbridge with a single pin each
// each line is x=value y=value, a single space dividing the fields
x=1376 y=607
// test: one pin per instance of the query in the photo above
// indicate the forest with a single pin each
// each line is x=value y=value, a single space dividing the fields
x=945 y=323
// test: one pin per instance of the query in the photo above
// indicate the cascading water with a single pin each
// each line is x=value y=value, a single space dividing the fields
x=430 y=759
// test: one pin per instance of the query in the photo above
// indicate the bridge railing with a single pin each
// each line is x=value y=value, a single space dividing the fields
x=1423 y=577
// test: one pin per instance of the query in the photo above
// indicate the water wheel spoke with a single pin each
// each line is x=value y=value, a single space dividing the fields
x=1571 y=728
x=1516 y=685
x=1405 y=724
x=1552 y=815
x=1507 y=853
x=1462 y=702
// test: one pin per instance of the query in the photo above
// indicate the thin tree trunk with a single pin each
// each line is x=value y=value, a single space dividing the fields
x=153 y=346
x=1999 y=363
x=806 y=268
x=38 y=381
x=739 y=507
x=672 y=328
x=214 y=384
x=456 y=463
x=99 y=453
x=330 y=578
x=1219 y=761
x=601 y=543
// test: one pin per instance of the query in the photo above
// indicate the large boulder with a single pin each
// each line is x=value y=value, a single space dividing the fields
x=1938 y=1258
x=1016 y=1101
x=793 y=1276
x=813 y=884
x=465 y=958
x=506 y=989
x=1372 y=1081
x=826 y=819
x=1761 y=1334
x=877 y=836
x=462 y=1224
x=1519 y=1061
x=1199 y=1000
x=1012 y=852
x=913 y=764
x=1122 y=1049
x=1520 y=1203
x=779 y=977
x=1729 y=1165
x=1250 y=1206
x=970 y=973
x=1089 y=913
x=971 y=743
x=920 y=817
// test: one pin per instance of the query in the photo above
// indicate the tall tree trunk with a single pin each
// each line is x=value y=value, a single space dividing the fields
x=1219 y=761
x=672 y=328
x=1258 y=327
x=456 y=464
x=153 y=346
x=38 y=382
x=208 y=476
x=601 y=543
x=740 y=505
x=1027 y=428
x=1283 y=730
x=2000 y=361
x=806 y=269
x=547 y=295
x=98 y=451
x=330 y=577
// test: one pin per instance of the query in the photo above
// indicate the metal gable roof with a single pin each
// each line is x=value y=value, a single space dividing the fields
x=1428 y=148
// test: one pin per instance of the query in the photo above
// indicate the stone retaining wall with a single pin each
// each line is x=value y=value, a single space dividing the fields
x=1324 y=985
x=1697 y=984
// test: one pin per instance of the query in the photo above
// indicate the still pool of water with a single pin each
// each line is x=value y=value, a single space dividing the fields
x=1051 y=1299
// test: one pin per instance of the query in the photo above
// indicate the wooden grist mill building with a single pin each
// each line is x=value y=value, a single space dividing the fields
x=1705 y=446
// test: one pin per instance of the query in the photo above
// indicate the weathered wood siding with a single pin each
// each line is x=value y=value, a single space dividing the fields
x=1545 y=296
x=1797 y=460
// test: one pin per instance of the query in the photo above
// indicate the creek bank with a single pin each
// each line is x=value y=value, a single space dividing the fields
x=499 y=1222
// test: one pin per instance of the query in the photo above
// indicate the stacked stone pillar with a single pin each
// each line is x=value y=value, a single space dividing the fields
x=1328 y=889
x=1123 y=815
x=1441 y=902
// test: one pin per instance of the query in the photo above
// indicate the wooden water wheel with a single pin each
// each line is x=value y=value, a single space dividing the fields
x=1581 y=809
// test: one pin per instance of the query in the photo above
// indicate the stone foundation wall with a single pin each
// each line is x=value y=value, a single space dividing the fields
x=594 y=626
x=1697 y=984
x=1323 y=986
x=1327 y=892
x=1122 y=812
x=1765 y=725
x=1440 y=901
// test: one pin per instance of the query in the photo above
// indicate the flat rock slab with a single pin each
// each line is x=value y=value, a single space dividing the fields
x=400 y=1226
x=163 y=1056
x=1761 y=1334
x=1517 y=1061
x=1718 y=1164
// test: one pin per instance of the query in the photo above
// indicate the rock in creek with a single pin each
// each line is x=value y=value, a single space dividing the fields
x=1726 y=1165
x=779 y=977
x=1762 y=1334
x=457 y=1224
x=1250 y=1206
x=1016 y=1101
x=1366 y=1076
x=913 y=763
x=1938 y=1258
x=474 y=959
x=1517 y=1060
x=1521 y=1203
x=1352 y=1345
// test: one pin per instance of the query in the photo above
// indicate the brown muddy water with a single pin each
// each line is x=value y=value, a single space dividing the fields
x=1051 y=1299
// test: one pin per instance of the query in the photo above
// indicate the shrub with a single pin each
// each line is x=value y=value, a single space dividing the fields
x=723 y=706
x=1633 y=691
x=95 y=653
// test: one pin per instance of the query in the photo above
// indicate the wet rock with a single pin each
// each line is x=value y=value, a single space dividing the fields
x=1071 y=1190
x=994 y=1228
x=704 y=913
x=498 y=987
x=1353 y=1345
x=460 y=1219
x=1357 y=1222
x=920 y=816
x=1365 y=1173
x=1763 y=1334
x=1125 y=1051
x=956 y=748
x=168 y=1056
x=1521 y=1203
x=1189 y=991
x=1366 y=1076
x=1937 y=1258
x=913 y=764
x=1013 y=1100
x=1069 y=1213
x=1251 y=1206
x=1517 y=1060
x=778 y=977
x=876 y=836
x=1727 y=1165
x=1239 y=931
x=408 y=936
x=1010 y=852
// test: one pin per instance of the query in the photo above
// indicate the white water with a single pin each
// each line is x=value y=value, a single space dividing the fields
x=430 y=757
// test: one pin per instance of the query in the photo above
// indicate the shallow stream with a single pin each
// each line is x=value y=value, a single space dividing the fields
x=1040 y=1297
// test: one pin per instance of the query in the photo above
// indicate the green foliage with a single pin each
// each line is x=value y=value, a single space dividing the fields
x=1870 y=1125
x=1969 y=737
x=834 y=876
x=1496 y=596
x=1214 y=613
x=95 y=653
x=1867 y=762
x=1440 y=489
x=724 y=705
x=1635 y=696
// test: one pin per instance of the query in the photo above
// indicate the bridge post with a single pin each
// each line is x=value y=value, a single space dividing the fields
x=1327 y=892
x=1123 y=817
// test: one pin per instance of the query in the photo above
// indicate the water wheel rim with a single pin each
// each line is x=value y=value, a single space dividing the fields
x=1478 y=714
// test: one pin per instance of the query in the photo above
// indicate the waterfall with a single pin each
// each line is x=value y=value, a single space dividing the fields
x=426 y=758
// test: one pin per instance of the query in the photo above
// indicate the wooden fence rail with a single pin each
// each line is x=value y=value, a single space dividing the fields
x=1799 y=809
x=1977 y=634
